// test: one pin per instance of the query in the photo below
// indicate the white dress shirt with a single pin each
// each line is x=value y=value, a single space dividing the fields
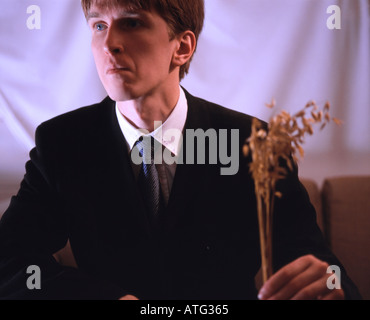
x=176 y=123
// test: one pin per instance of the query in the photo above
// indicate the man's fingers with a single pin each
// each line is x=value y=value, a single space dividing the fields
x=302 y=280
x=314 y=291
x=283 y=276
x=319 y=290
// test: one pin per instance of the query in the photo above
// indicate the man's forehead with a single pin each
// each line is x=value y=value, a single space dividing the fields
x=96 y=11
x=102 y=7
x=124 y=6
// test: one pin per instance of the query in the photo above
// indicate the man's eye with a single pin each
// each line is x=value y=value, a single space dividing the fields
x=99 y=27
x=131 y=23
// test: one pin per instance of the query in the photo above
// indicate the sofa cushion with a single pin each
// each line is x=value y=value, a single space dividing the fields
x=346 y=203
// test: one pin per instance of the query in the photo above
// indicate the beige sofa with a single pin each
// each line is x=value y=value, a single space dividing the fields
x=346 y=221
x=343 y=214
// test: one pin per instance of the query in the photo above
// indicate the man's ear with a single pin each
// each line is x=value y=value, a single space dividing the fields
x=186 y=44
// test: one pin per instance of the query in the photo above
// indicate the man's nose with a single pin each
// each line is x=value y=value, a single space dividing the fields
x=113 y=43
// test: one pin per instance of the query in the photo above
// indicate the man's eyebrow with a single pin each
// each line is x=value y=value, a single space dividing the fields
x=92 y=15
x=126 y=13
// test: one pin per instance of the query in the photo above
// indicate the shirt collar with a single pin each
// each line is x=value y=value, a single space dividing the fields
x=168 y=134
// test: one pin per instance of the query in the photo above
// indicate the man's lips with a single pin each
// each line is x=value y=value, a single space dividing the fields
x=116 y=69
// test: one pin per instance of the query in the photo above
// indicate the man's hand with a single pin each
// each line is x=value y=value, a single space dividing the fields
x=302 y=279
x=128 y=297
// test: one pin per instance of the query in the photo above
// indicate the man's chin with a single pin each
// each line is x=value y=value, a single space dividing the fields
x=121 y=96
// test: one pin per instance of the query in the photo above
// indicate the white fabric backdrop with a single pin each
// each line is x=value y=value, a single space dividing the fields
x=250 y=52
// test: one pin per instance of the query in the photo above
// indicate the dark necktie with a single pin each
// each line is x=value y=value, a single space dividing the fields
x=148 y=178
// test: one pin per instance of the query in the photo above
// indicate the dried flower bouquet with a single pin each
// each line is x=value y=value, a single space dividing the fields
x=281 y=140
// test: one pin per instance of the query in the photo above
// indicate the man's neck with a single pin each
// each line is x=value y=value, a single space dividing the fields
x=144 y=111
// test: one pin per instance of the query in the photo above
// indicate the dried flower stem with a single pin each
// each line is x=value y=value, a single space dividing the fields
x=268 y=146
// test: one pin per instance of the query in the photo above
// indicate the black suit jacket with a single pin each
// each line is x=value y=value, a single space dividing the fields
x=79 y=185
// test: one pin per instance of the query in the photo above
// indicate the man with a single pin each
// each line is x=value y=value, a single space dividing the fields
x=197 y=237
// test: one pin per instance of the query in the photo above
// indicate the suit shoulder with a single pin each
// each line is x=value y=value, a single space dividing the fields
x=78 y=119
x=226 y=114
x=220 y=116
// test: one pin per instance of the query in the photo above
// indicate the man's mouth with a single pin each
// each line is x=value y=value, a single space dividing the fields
x=115 y=70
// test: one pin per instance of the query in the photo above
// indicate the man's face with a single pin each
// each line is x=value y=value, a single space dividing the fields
x=132 y=51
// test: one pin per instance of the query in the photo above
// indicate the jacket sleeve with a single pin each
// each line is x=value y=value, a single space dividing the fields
x=33 y=228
